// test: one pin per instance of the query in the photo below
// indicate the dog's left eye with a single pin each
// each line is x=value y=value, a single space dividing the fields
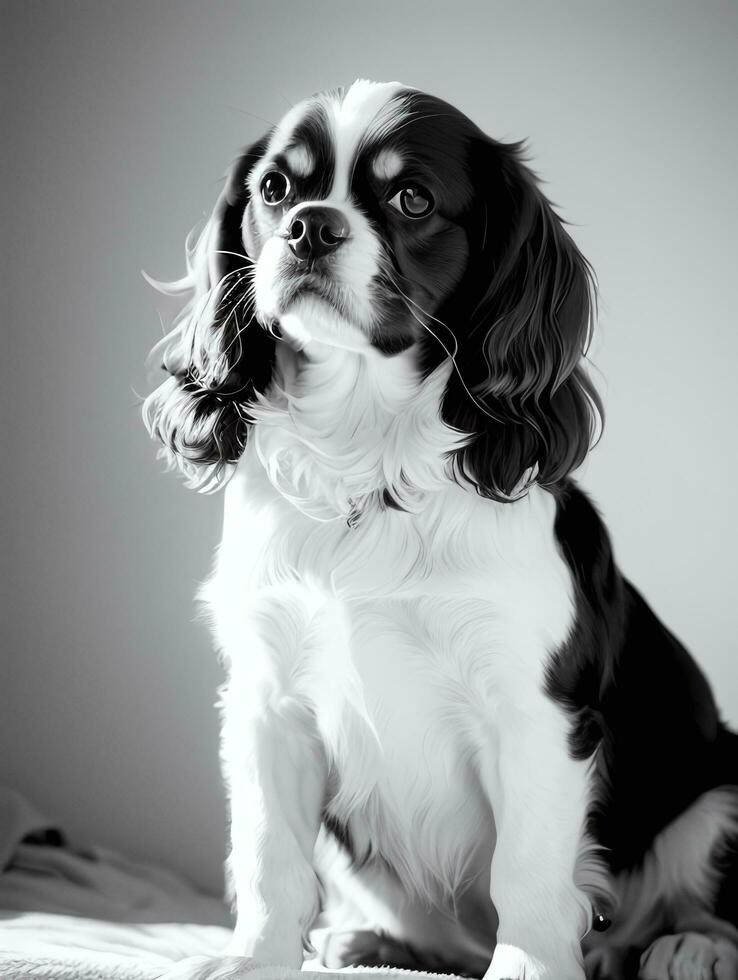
x=274 y=187
x=413 y=201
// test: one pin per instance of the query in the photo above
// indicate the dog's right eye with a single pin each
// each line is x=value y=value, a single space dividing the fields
x=274 y=188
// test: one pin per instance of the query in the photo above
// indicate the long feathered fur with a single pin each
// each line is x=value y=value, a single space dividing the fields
x=432 y=657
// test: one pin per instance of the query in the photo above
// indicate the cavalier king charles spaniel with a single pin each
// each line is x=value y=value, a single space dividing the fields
x=454 y=736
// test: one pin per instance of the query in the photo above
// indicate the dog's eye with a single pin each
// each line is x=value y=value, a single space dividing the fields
x=413 y=201
x=274 y=188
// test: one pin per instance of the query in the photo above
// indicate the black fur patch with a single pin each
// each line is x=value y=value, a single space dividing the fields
x=492 y=278
x=422 y=260
x=634 y=693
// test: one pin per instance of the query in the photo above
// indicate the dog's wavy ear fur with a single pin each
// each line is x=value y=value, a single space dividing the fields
x=528 y=300
x=217 y=355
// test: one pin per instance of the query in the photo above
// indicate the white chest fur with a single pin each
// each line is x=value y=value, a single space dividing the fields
x=409 y=636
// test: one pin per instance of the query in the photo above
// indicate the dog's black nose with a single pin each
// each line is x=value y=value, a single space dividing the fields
x=316 y=231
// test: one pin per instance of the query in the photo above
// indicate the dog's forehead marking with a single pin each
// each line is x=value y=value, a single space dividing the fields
x=301 y=161
x=387 y=165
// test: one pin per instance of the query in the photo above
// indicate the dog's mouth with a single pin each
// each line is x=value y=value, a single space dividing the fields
x=297 y=285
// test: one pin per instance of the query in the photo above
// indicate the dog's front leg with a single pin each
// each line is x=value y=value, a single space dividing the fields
x=275 y=774
x=539 y=797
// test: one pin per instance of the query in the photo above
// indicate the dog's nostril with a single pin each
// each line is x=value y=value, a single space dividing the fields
x=327 y=236
x=298 y=229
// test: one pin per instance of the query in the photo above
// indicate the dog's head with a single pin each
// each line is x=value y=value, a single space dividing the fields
x=382 y=218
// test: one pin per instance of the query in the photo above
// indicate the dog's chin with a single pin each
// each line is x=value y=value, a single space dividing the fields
x=310 y=319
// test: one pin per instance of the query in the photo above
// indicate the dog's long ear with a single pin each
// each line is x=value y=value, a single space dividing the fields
x=520 y=388
x=217 y=355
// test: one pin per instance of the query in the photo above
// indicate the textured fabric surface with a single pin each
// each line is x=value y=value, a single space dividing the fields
x=70 y=913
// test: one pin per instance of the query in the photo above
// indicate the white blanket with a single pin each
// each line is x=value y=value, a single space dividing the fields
x=89 y=914
x=71 y=912
x=39 y=946
x=43 y=945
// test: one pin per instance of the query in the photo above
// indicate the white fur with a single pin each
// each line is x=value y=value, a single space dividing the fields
x=391 y=664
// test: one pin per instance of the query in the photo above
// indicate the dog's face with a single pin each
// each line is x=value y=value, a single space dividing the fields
x=382 y=218
x=359 y=204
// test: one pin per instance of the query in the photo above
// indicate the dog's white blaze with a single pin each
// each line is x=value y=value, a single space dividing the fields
x=350 y=118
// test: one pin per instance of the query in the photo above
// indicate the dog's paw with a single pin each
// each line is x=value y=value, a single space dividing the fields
x=689 y=956
x=605 y=963
x=512 y=963
x=364 y=947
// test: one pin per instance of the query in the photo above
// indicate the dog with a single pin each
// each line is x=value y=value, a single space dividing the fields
x=454 y=736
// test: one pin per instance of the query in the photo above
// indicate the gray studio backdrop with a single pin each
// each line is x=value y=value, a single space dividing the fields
x=120 y=120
